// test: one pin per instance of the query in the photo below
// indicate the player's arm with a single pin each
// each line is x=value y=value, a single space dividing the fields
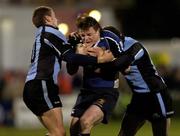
x=126 y=58
x=64 y=50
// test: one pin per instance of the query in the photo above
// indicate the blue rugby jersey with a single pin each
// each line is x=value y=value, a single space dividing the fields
x=44 y=62
x=99 y=77
x=142 y=75
x=104 y=78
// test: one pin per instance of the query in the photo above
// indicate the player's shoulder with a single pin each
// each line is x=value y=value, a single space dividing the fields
x=55 y=32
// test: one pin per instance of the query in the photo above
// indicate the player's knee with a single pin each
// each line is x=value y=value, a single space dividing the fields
x=85 y=123
x=59 y=132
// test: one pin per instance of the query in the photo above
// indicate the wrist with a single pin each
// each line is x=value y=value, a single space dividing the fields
x=100 y=60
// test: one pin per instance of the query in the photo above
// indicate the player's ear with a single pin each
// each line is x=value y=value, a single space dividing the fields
x=47 y=19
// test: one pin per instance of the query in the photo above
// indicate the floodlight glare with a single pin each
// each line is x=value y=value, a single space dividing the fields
x=95 y=14
x=63 y=27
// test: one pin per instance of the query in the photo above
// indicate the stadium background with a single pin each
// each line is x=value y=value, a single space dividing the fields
x=154 y=22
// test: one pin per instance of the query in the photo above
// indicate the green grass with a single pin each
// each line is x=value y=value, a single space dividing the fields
x=101 y=130
x=113 y=128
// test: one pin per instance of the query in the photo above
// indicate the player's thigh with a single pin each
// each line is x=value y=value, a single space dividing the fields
x=131 y=123
x=53 y=119
x=93 y=115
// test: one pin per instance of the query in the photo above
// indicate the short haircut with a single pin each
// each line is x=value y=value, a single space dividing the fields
x=112 y=29
x=115 y=31
x=39 y=14
x=84 y=22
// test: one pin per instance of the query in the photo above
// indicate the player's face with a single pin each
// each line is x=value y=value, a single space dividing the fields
x=89 y=36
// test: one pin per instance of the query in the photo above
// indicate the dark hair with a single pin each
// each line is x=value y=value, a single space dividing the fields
x=84 y=22
x=39 y=14
x=115 y=31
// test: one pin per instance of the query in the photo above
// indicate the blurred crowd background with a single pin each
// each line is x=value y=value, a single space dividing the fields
x=153 y=22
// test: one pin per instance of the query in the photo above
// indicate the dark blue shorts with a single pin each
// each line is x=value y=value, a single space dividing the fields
x=104 y=98
x=151 y=105
x=41 y=96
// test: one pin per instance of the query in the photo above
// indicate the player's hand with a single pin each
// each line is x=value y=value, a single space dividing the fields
x=95 y=51
x=106 y=57
x=81 y=49
x=74 y=38
x=126 y=71
x=102 y=55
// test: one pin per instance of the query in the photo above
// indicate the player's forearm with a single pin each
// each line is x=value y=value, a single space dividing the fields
x=119 y=64
x=79 y=59
x=127 y=58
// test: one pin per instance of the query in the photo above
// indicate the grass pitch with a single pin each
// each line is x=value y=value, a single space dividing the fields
x=101 y=130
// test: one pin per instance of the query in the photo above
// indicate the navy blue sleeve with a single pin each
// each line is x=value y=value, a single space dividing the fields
x=72 y=68
x=79 y=59
x=119 y=64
